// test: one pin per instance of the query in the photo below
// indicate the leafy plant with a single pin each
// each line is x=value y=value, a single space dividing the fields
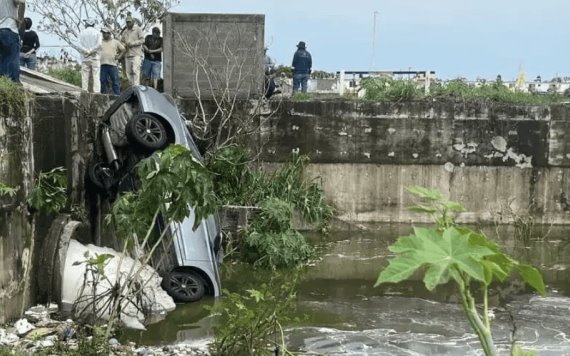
x=389 y=89
x=251 y=323
x=7 y=190
x=270 y=242
x=68 y=75
x=458 y=254
x=12 y=99
x=49 y=194
x=236 y=184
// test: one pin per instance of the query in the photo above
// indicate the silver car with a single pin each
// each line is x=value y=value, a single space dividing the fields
x=139 y=122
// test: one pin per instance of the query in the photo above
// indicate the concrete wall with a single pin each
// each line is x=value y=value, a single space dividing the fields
x=58 y=132
x=16 y=230
x=489 y=157
x=230 y=45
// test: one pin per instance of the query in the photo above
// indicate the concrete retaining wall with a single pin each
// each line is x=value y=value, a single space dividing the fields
x=493 y=158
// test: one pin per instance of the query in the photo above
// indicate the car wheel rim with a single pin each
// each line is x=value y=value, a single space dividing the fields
x=149 y=130
x=184 y=285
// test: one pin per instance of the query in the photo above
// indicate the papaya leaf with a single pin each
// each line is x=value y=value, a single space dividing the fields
x=532 y=277
x=423 y=209
x=399 y=269
x=440 y=254
x=424 y=193
x=452 y=205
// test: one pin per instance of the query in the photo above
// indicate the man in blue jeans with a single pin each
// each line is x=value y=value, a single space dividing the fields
x=10 y=39
x=302 y=63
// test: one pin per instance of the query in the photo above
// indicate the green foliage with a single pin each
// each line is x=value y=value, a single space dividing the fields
x=97 y=263
x=68 y=75
x=7 y=191
x=494 y=91
x=49 y=194
x=387 y=89
x=172 y=182
x=236 y=184
x=270 y=242
x=300 y=96
x=250 y=323
x=12 y=99
x=449 y=252
x=382 y=89
x=441 y=210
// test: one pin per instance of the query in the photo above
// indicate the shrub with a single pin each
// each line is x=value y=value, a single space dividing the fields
x=71 y=75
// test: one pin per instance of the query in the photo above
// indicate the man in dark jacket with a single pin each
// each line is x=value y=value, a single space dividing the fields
x=302 y=63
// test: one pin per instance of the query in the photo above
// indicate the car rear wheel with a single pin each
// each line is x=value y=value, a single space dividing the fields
x=146 y=132
x=185 y=286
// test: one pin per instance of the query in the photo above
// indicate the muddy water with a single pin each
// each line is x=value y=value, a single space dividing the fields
x=346 y=315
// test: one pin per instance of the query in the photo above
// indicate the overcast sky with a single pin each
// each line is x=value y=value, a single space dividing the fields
x=468 y=38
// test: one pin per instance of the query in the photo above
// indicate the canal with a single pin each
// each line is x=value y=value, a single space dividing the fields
x=343 y=314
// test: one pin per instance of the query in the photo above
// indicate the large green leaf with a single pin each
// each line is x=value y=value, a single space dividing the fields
x=532 y=277
x=424 y=193
x=439 y=253
x=400 y=268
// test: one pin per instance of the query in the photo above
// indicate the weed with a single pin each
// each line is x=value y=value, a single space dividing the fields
x=49 y=194
x=251 y=323
x=13 y=99
x=68 y=75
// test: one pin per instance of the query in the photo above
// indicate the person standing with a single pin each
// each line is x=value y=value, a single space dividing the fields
x=269 y=82
x=30 y=46
x=152 y=63
x=89 y=48
x=111 y=51
x=302 y=63
x=10 y=12
x=133 y=40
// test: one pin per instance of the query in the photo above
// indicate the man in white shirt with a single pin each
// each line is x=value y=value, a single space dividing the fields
x=11 y=12
x=89 y=48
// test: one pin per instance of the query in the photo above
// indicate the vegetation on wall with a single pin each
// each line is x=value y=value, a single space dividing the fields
x=12 y=99
x=450 y=253
x=68 y=75
x=387 y=89
x=235 y=183
x=269 y=241
x=49 y=193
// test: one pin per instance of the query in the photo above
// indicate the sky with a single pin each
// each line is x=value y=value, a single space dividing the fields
x=454 y=38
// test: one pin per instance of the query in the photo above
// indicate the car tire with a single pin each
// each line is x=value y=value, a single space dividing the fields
x=97 y=174
x=185 y=286
x=146 y=132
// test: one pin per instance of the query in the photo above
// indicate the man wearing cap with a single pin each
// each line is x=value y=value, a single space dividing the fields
x=89 y=48
x=302 y=63
x=111 y=51
x=133 y=40
x=11 y=13
x=152 y=62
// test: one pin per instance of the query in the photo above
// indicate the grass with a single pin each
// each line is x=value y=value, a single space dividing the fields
x=386 y=89
x=12 y=99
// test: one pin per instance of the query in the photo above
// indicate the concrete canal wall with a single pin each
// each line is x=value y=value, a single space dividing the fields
x=500 y=161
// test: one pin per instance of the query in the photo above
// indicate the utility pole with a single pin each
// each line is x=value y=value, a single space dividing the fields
x=373 y=40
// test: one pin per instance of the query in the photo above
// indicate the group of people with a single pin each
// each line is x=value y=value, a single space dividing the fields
x=11 y=18
x=101 y=54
